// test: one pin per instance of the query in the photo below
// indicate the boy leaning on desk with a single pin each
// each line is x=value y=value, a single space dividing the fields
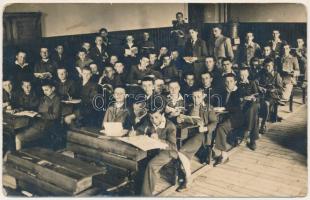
x=155 y=125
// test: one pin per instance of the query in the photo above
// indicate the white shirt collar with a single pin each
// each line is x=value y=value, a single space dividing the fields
x=247 y=81
x=180 y=98
x=161 y=125
x=22 y=66
x=235 y=88
x=118 y=105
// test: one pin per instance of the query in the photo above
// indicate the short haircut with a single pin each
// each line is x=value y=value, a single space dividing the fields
x=59 y=44
x=268 y=60
x=173 y=80
x=120 y=86
x=197 y=89
x=86 y=68
x=219 y=26
x=244 y=68
x=86 y=42
x=147 y=78
x=206 y=72
x=193 y=28
x=229 y=75
x=189 y=73
x=48 y=83
x=155 y=107
x=103 y=29
x=93 y=63
x=82 y=50
x=119 y=62
x=178 y=13
x=226 y=59
x=98 y=35
x=254 y=59
x=20 y=51
x=285 y=43
x=210 y=56
x=43 y=47
x=26 y=79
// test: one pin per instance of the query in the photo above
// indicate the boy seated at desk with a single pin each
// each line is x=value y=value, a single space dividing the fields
x=160 y=128
x=175 y=102
x=85 y=114
x=49 y=114
x=27 y=98
x=231 y=100
x=207 y=124
x=250 y=107
x=8 y=97
x=67 y=90
x=118 y=112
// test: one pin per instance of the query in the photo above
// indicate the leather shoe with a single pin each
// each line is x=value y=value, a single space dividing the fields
x=220 y=160
x=263 y=129
x=251 y=145
x=182 y=188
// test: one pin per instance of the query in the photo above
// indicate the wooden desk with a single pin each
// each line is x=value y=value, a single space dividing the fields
x=47 y=173
x=85 y=141
x=11 y=124
x=184 y=131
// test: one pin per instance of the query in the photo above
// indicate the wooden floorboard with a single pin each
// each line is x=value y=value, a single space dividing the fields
x=278 y=168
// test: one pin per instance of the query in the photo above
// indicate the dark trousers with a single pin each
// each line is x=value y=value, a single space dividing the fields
x=250 y=111
x=268 y=111
x=192 y=145
x=224 y=130
x=35 y=132
x=152 y=171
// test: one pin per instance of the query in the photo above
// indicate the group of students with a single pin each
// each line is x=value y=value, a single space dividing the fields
x=151 y=93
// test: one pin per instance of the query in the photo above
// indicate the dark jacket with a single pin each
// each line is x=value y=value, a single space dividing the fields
x=27 y=102
x=19 y=73
x=49 y=107
x=169 y=72
x=49 y=66
x=98 y=57
x=122 y=115
x=199 y=49
x=207 y=115
x=166 y=134
x=66 y=89
x=137 y=75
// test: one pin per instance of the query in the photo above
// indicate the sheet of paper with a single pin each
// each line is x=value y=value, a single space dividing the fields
x=72 y=101
x=26 y=113
x=128 y=52
x=191 y=119
x=114 y=129
x=144 y=142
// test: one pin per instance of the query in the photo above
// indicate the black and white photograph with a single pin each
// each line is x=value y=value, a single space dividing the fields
x=154 y=99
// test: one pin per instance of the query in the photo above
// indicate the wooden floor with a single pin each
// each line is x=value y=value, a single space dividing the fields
x=278 y=168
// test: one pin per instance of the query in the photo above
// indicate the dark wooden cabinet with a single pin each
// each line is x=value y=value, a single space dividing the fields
x=21 y=28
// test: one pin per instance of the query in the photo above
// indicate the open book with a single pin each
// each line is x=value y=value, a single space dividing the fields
x=72 y=101
x=26 y=113
x=144 y=142
x=191 y=119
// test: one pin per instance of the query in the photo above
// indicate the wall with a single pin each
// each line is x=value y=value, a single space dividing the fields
x=269 y=12
x=89 y=18
x=257 y=12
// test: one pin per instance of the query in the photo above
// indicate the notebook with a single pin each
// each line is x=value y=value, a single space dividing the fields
x=113 y=129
